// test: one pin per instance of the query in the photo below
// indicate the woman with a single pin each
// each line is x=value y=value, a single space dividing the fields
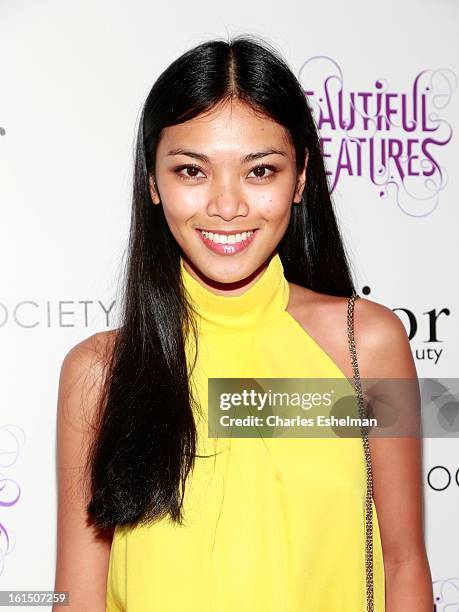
x=236 y=269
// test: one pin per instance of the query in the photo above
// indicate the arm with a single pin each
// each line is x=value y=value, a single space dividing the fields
x=397 y=463
x=82 y=552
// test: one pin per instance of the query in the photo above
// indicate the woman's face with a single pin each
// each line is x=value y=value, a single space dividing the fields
x=231 y=174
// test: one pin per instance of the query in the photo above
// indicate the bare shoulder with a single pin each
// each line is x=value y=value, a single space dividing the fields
x=385 y=346
x=381 y=340
x=305 y=303
x=379 y=323
x=82 y=375
x=94 y=350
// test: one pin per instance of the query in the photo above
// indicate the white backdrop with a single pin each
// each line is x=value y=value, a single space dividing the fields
x=73 y=77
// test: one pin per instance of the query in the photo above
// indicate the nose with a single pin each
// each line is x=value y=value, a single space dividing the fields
x=226 y=199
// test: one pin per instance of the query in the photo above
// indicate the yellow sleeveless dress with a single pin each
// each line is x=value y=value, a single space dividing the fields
x=272 y=525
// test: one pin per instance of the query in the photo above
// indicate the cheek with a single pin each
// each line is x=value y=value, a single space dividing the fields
x=179 y=204
x=274 y=205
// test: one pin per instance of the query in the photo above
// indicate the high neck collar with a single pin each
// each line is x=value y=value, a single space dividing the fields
x=259 y=304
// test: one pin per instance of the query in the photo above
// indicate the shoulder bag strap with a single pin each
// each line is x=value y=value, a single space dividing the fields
x=366 y=446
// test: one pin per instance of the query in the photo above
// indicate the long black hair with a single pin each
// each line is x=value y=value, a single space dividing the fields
x=146 y=437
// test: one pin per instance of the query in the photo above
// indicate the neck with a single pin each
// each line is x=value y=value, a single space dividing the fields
x=263 y=300
x=231 y=289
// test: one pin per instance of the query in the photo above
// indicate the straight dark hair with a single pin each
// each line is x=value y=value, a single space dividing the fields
x=145 y=442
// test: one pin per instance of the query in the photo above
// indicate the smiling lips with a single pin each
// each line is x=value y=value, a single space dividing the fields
x=225 y=242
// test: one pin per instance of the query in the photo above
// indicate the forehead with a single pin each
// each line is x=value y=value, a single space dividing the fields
x=232 y=123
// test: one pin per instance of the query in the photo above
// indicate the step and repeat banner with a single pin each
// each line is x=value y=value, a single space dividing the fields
x=73 y=78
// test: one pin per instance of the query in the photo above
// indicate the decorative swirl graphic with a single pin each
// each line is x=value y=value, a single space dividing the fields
x=386 y=135
x=12 y=439
x=446 y=595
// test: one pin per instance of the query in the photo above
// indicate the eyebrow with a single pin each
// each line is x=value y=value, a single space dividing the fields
x=244 y=158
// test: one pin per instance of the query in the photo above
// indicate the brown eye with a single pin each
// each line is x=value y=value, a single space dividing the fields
x=260 y=172
x=191 y=171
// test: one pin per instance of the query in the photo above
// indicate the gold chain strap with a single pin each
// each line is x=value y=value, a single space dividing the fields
x=366 y=446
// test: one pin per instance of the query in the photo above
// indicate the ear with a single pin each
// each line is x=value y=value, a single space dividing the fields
x=301 y=181
x=154 y=190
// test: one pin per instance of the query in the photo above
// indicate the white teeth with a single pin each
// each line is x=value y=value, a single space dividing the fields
x=226 y=239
